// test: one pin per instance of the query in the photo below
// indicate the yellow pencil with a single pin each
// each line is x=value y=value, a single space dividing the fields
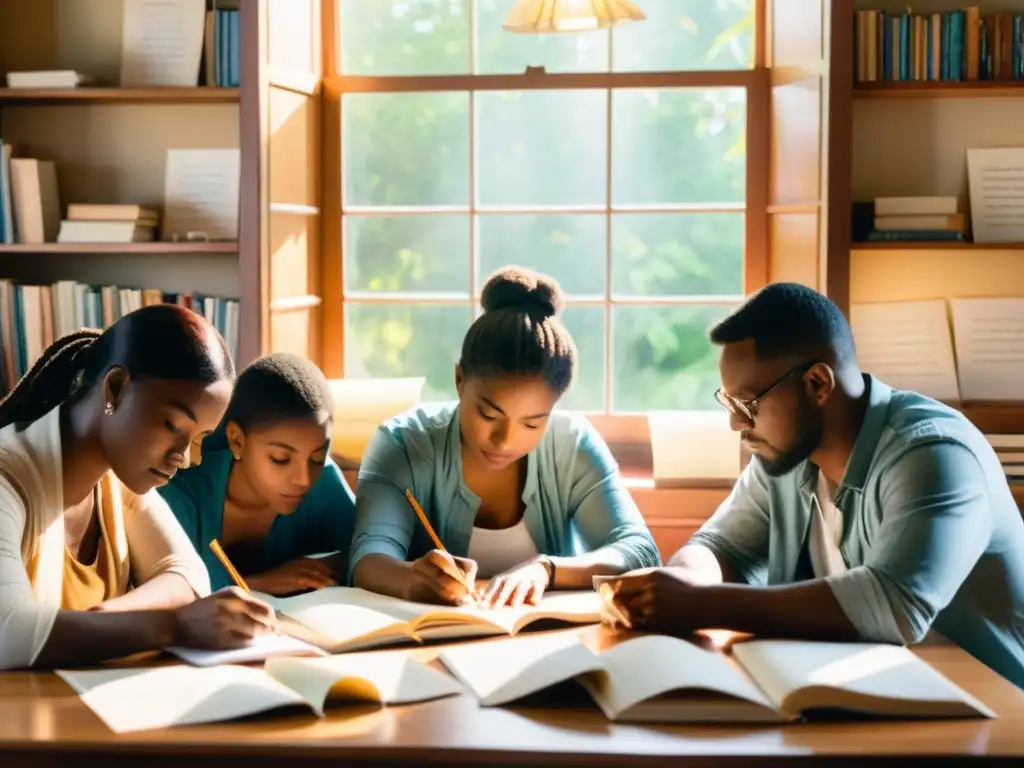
x=234 y=574
x=430 y=531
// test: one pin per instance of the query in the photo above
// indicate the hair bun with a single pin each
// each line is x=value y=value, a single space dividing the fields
x=521 y=287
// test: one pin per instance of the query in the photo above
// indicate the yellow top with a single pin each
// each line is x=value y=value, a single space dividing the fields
x=86 y=585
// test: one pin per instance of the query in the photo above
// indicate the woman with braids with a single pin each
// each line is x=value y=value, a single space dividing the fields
x=526 y=497
x=93 y=564
x=272 y=496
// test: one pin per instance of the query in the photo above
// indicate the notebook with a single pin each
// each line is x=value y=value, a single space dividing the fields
x=349 y=619
x=258 y=649
x=161 y=697
x=654 y=678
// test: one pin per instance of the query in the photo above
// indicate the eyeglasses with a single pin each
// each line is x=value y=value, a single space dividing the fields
x=747 y=409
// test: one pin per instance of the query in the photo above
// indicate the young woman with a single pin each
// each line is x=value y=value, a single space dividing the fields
x=92 y=562
x=272 y=497
x=518 y=494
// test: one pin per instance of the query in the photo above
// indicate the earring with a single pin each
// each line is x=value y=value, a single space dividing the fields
x=238 y=456
x=108 y=409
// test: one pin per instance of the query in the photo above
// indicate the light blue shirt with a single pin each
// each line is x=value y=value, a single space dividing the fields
x=932 y=536
x=321 y=523
x=574 y=496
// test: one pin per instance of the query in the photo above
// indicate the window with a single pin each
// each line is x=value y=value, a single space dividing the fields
x=620 y=168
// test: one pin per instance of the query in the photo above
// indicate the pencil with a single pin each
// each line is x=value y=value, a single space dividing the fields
x=234 y=574
x=430 y=531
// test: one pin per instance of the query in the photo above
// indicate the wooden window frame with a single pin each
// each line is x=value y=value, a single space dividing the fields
x=627 y=434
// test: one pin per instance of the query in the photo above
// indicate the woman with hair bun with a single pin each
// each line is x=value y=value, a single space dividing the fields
x=521 y=495
x=93 y=565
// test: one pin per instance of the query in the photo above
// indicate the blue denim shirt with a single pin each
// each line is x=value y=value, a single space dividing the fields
x=574 y=496
x=932 y=536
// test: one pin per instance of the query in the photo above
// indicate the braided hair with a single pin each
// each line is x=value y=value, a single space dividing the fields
x=520 y=332
x=162 y=341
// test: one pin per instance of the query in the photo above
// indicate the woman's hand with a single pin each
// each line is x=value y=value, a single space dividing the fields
x=229 y=618
x=525 y=583
x=437 y=577
x=298 y=575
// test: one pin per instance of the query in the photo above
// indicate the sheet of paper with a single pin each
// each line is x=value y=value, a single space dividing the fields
x=360 y=405
x=162 y=42
x=263 y=647
x=989 y=336
x=161 y=697
x=996 y=180
x=201 y=194
x=693 y=446
x=907 y=345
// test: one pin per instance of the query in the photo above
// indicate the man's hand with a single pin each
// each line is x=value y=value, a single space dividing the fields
x=664 y=600
x=298 y=575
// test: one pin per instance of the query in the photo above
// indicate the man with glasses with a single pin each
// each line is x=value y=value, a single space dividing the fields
x=865 y=513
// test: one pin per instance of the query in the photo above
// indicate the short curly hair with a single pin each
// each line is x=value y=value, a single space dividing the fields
x=279 y=387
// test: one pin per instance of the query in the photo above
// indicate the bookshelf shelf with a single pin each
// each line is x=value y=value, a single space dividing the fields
x=199 y=95
x=975 y=89
x=995 y=417
x=126 y=248
x=933 y=245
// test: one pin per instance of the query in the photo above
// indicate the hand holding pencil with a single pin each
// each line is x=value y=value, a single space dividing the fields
x=438 y=576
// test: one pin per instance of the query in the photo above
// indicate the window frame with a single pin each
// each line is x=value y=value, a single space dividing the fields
x=627 y=434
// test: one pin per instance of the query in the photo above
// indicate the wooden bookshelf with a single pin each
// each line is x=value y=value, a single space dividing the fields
x=230 y=248
x=934 y=245
x=975 y=89
x=39 y=97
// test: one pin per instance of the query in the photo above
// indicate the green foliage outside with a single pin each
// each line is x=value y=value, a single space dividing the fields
x=409 y=187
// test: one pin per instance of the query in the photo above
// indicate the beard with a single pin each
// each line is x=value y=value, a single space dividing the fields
x=809 y=429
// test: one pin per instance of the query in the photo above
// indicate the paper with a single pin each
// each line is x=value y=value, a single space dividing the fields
x=262 y=647
x=361 y=405
x=907 y=345
x=996 y=181
x=989 y=336
x=693 y=447
x=141 y=699
x=162 y=42
x=201 y=194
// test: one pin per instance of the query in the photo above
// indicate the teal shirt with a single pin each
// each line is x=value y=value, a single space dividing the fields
x=932 y=536
x=574 y=497
x=321 y=523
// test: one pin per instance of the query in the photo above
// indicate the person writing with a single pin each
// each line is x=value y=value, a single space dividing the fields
x=865 y=513
x=272 y=496
x=93 y=564
x=524 y=496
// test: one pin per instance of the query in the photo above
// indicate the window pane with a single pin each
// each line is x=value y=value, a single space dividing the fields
x=403 y=37
x=405 y=148
x=663 y=359
x=539 y=148
x=678 y=145
x=414 y=252
x=570 y=248
x=687 y=35
x=500 y=52
x=677 y=254
x=394 y=340
x=586 y=324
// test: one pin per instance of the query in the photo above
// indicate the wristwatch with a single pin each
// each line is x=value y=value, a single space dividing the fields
x=549 y=566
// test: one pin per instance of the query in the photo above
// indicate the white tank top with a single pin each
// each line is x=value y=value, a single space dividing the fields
x=497 y=550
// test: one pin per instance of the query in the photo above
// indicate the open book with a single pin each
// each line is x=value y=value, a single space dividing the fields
x=654 y=678
x=349 y=619
x=160 y=697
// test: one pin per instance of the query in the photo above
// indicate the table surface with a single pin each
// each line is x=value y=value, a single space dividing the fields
x=43 y=720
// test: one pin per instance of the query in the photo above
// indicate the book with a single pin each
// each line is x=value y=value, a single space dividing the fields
x=349 y=619
x=258 y=649
x=136 y=699
x=655 y=678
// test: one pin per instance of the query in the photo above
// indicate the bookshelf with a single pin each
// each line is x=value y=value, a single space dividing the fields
x=109 y=145
x=911 y=138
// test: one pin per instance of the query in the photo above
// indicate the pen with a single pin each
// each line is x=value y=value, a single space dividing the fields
x=430 y=531
x=234 y=574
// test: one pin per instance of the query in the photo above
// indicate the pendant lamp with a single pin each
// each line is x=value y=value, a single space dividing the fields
x=543 y=17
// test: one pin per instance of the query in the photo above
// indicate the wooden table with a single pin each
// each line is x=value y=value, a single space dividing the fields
x=43 y=723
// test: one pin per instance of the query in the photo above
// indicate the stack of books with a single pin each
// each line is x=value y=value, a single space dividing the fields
x=87 y=223
x=917 y=219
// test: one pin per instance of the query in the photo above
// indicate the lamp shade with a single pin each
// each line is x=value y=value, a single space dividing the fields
x=542 y=17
